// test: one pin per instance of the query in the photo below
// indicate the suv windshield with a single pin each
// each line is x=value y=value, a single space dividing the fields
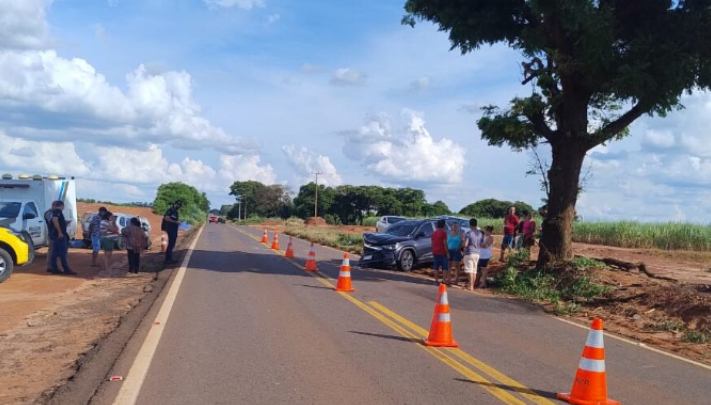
x=402 y=229
x=9 y=209
x=395 y=220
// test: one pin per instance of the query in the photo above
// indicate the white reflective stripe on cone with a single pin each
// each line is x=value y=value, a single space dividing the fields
x=444 y=318
x=345 y=274
x=346 y=262
x=595 y=339
x=443 y=300
x=596 y=366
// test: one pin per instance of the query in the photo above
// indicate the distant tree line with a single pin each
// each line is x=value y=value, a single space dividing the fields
x=347 y=204
x=130 y=204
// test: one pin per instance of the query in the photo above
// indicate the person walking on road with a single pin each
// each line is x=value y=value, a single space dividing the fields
x=472 y=246
x=440 y=252
x=95 y=232
x=58 y=235
x=109 y=230
x=484 y=257
x=455 y=241
x=135 y=243
x=171 y=222
x=510 y=225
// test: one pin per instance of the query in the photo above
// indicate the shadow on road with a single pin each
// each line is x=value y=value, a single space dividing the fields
x=391 y=337
x=540 y=393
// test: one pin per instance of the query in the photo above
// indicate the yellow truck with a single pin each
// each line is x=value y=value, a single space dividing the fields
x=16 y=249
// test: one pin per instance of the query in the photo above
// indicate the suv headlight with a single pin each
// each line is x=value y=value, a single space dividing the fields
x=389 y=247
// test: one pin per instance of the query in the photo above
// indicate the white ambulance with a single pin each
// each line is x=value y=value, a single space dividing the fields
x=24 y=200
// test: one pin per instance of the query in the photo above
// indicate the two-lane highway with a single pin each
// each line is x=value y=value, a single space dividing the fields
x=248 y=326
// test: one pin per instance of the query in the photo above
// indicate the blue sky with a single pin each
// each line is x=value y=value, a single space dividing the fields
x=128 y=94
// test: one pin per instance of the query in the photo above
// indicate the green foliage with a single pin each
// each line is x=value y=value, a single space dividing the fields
x=195 y=203
x=567 y=308
x=370 y=221
x=327 y=236
x=669 y=326
x=491 y=208
x=582 y=263
x=696 y=336
x=436 y=209
x=257 y=198
x=665 y=236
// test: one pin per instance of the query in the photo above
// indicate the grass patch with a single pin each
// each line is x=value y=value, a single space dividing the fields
x=630 y=234
x=327 y=237
x=669 y=326
x=695 y=336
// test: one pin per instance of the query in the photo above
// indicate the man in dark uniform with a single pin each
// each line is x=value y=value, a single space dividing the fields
x=58 y=234
x=171 y=222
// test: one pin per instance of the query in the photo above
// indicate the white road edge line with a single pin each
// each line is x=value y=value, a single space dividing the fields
x=636 y=343
x=128 y=395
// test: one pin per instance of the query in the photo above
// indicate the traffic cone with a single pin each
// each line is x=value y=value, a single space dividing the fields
x=265 y=237
x=590 y=384
x=311 y=262
x=441 y=327
x=289 y=250
x=344 y=277
x=275 y=242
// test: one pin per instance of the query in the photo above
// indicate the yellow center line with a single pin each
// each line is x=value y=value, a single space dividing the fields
x=440 y=354
x=466 y=357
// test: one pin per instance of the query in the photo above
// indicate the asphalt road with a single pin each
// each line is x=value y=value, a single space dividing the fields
x=251 y=327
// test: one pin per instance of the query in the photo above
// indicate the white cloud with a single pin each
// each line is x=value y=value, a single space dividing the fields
x=348 y=77
x=272 y=18
x=23 y=24
x=407 y=155
x=72 y=96
x=307 y=162
x=423 y=83
x=244 y=4
x=43 y=157
x=245 y=167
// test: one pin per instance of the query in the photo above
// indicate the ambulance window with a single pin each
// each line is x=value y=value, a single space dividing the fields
x=30 y=210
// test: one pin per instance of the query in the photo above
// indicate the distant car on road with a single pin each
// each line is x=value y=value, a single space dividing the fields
x=386 y=222
x=213 y=219
x=404 y=245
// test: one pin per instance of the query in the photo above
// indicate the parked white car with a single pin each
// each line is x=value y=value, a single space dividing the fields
x=386 y=222
x=122 y=221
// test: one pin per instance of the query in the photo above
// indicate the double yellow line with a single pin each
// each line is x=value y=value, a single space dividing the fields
x=457 y=359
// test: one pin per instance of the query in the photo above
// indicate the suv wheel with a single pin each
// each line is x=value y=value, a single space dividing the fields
x=6 y=265
x=406 y=261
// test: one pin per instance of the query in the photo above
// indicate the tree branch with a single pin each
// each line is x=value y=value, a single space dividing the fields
x=613 y=128
x=538 y=121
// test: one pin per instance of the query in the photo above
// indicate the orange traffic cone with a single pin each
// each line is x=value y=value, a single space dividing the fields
x=289 y=250
x=344 y=277
x=590 y=384
x=275 y=242
x=441 y=327
x=311 y=262
x=265 y=237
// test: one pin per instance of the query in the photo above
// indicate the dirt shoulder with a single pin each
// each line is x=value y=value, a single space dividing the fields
x=47 y=322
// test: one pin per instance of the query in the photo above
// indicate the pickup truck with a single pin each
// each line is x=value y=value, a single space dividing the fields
x=16 y=249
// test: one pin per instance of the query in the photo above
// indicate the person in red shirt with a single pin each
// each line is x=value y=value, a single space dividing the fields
x=510 y=224
x=440 y=253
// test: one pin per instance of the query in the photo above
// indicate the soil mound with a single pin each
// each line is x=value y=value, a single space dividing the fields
x=315 y=221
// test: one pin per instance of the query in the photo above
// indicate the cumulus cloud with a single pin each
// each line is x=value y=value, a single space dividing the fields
x=23 y=24
x=307 y=162
x=70 y=95
x=348 y=77
x=47 y=158
x=244 y=4
x=405 y=155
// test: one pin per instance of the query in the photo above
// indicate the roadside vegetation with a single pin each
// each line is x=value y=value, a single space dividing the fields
x=195 y=204
x=344 y=241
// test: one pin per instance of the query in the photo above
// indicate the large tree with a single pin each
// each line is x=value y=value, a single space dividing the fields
x=595 y=66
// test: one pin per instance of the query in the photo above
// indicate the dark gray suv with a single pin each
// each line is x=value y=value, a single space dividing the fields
x=404 y=245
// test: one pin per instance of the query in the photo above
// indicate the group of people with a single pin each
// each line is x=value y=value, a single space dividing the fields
x=104 y=232
x=470 y=251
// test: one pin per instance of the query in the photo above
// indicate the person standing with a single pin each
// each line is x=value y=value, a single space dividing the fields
x=135 y=243
x=109 y=230
x=484 y=257
x=472 y=246
x=455 y=241
x=95 y=231
x=58 y=234
x=48 y=222
x=528 y=231
x=510 y=225
x=170 y=224
x=439 y=252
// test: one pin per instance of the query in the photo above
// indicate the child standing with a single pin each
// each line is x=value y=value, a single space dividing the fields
x=485 y=256
x=135 y=243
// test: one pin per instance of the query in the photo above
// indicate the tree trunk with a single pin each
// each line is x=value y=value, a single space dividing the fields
x=564 y=178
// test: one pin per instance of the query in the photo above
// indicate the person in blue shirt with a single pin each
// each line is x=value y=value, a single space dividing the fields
x=58 y=235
